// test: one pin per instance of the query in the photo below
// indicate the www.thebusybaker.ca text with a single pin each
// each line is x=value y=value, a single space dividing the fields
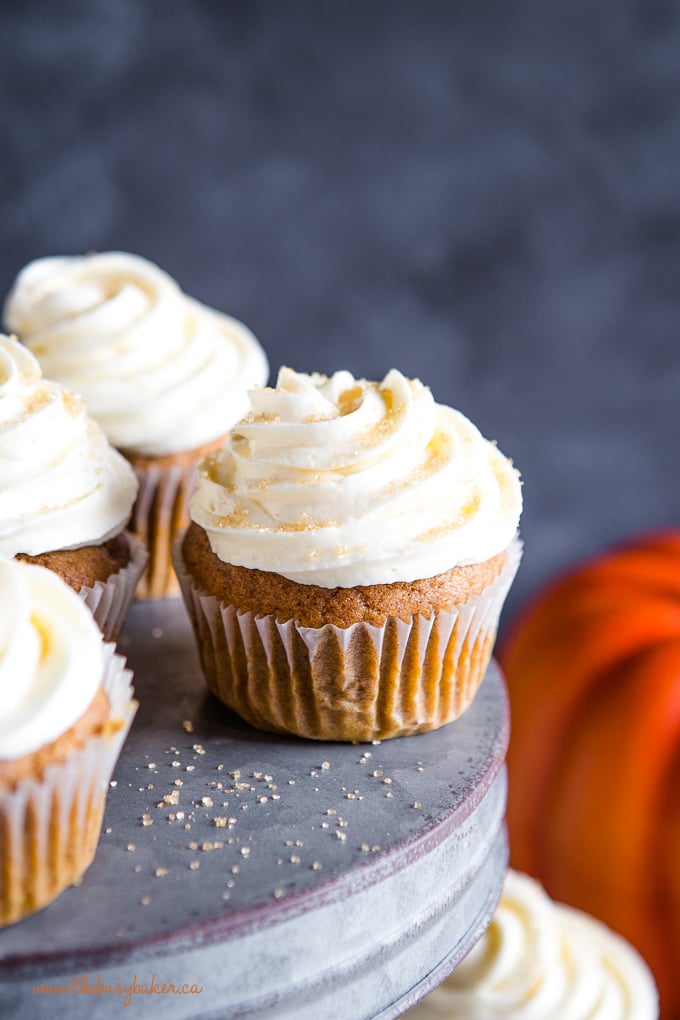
x=86 y=985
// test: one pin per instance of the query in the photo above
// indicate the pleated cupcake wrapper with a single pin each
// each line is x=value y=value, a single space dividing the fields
x=109 y=600
x=357 y=683
x=49 y=826
x=160 y=513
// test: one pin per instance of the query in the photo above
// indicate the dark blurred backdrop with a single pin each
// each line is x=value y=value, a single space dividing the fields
x=486 y=195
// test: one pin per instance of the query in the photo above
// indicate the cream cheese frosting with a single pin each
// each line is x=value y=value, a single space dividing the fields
x=160 y=372
x=337 y=481
x=51 y=658
x=62 y=485
x=539 y=960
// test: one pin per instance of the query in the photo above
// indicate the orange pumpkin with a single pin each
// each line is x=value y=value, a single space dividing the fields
x=593 y=670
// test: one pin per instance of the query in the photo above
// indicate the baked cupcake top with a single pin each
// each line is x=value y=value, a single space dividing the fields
x=340 y=482
x=160 y=372
x=541 y=959
x=62 y=485
x=51 y=658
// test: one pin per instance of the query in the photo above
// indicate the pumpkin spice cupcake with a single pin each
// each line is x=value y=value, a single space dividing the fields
x=351 y=547
x=164 y=375
x=65 y=494
x=65 y=708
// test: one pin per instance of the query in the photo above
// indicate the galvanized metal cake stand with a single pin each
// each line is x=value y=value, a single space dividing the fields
x=252 y=875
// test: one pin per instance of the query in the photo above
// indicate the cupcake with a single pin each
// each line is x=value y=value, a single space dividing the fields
x=65 y=709
x=164 y=376
x=543 y=960
x=350 y=549
x=65 y=493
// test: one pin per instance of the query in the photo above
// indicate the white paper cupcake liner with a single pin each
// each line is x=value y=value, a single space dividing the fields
x=357 y=683
x=160 y=514
x=49 y=826
x=110 y=600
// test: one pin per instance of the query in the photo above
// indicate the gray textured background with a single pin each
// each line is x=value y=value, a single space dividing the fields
x=484 y=194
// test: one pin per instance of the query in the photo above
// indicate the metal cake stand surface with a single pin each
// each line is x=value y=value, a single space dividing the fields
x=267 y=877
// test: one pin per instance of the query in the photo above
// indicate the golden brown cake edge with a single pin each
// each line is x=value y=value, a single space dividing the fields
x=265 y=592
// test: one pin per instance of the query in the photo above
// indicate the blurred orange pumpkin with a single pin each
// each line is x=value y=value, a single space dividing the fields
x=593 y=670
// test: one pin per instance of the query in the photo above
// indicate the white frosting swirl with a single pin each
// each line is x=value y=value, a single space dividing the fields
x=539 y=960
x=160 y=372
x=343 y=482
x=51 y=658
x=61 y=483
